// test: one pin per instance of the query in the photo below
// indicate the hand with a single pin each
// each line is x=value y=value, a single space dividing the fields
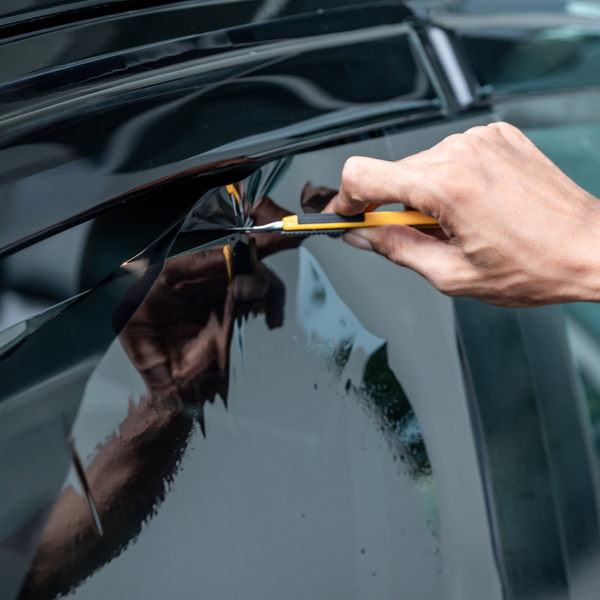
x=519 y=231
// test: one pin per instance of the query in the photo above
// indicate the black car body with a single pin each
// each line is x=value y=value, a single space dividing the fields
x=295 y=419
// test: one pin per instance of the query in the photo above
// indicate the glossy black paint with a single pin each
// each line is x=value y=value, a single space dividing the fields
x=141 y=113
x=27 y=16
x=142 y=126
x=139 y=42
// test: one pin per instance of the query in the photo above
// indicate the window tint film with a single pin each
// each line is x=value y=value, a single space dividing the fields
x=129 y=112
x=255 y=416
x=246 y=433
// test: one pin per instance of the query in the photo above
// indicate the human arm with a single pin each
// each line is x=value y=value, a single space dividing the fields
x=518 y=231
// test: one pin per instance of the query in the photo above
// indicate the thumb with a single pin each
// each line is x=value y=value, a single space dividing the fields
x=442 y=264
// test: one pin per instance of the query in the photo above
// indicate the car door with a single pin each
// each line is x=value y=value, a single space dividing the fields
x=186 y=413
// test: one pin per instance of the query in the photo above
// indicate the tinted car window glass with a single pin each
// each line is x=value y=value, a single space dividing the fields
x=87 y=36
x=517 y=47
x=512 y=435
x=291 y=464
x=550 y=59
x=576 y=150
x=296 y=442
x=327 y=87
x=20 y=10
x=535 y=448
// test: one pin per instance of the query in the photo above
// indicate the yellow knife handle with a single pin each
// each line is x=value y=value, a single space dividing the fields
x=231 y=190
x=329 y=221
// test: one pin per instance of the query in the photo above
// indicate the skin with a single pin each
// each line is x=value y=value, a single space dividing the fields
x=517 y=231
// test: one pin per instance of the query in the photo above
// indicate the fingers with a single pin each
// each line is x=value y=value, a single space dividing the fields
x=367 y=181
x=429 y=181
x=441 y=263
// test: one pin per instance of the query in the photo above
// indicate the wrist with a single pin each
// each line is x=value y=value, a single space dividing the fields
x=587 y=277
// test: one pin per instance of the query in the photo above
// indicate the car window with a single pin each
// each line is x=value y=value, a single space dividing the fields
x=534 y=446
x=310 y=451
x=304 y=472
x=523 y=47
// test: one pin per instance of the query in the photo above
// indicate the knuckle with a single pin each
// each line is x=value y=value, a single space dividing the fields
x=499 y=131
x=352 y=171
x=442 y=281
x=394 y=253
x=503 y=127
x=387 y=245
x=453 y=141
x=478 y=130
x=507 y=132
x=465 y=144
x=451 y=281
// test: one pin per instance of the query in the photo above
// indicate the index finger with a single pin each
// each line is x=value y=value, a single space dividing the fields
x=368 y=181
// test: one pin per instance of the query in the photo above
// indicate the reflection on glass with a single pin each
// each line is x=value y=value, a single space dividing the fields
x=292 y=484
x=179 y=342
x=338 y=335
x=518 y=53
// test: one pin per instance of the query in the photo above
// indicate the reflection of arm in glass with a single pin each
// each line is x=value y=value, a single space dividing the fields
x=179 y=340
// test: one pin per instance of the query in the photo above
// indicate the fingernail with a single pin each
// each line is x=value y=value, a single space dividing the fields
x=357 y=241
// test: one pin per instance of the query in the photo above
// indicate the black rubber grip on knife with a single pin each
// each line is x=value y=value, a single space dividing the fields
x=319 y=219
